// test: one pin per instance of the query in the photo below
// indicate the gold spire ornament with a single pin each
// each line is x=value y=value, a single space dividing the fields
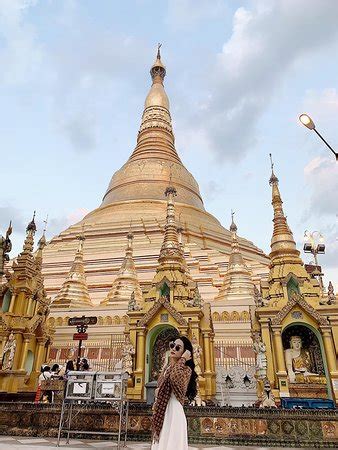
x=126 y=287
x=171 y=250
x=74 y=291
x=282 y=242
x=237 y=279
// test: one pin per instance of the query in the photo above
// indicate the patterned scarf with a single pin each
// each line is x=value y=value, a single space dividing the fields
x=172 y=379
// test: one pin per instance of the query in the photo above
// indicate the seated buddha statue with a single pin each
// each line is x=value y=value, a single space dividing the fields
x=298 y=363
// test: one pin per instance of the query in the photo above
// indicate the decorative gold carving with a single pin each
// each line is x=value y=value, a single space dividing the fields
x=298 y=299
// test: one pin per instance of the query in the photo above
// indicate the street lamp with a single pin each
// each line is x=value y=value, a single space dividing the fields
x=314 y=243
x=308 y=123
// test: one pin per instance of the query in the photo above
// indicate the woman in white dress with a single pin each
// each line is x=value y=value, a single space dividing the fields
x=176 y=382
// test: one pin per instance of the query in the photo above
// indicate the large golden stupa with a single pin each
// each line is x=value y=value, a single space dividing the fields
x=135 y=200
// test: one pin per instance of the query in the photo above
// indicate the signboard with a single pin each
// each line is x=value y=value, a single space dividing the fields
x=80 y=336
x=75 y=321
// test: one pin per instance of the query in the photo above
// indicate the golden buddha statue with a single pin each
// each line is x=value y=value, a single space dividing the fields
x=299 y=365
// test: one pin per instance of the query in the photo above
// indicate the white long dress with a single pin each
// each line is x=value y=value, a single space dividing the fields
x=174 y=434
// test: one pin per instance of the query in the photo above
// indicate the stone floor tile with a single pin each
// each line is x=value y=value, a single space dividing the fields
x=32 y=441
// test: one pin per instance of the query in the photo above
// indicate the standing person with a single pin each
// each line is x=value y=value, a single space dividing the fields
x=69 y=368
x=176 y=382
x=45 y=375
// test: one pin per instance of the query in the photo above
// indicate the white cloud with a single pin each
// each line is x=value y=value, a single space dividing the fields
x=21 y=54
x=189 y=13
x=321 y=174
x=267 y=40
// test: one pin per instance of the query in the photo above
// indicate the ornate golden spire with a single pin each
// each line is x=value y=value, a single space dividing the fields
x=25 y=262
x=126 y=282
x=237 y=280
x=144 y=176
x=74 y=291
x=282 y=242
x=236 y=257
x=156 y=135
x=171 y=250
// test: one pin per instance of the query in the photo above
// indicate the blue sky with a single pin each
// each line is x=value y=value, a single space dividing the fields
x=75 y=73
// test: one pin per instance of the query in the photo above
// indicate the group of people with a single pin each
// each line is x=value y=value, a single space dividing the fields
x=56 y=372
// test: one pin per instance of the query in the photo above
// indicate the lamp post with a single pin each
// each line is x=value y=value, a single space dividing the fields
x=308 y=123
x=314 y=243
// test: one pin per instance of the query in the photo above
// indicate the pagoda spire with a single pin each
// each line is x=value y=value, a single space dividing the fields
x=171 y=250
x=237 y=280
x=126 y=283
x=156 y=138
x=282 y=241
x=74 y=291
x=25 y=262
x=145 y=174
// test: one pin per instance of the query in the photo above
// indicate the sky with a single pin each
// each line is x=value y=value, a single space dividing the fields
x=74 y=76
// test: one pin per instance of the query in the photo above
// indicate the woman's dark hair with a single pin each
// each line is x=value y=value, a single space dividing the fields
x=192 y=386
x=85 y=366
x=55 y=367
x=46 y=369
x=69 y=365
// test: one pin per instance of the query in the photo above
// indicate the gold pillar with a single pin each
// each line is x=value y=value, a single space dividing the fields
x=206 y=341
x=140 y=350
x=24 y=348
x=278 y=348
x=329 y=348
x=212 y=352
x=39 y=354
x=11 y=303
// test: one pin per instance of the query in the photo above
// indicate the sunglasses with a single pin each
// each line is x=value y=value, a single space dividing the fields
x=176 y=347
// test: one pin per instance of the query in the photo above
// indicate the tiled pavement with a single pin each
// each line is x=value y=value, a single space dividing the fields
x=22 y=443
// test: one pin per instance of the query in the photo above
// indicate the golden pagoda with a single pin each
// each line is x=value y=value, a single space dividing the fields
x=295 y=320
x=25 y=336
x=135 y=194
x=126 y=283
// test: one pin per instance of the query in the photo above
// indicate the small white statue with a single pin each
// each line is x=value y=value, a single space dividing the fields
x=9 y=352
x=261 y=360
x=127 y=356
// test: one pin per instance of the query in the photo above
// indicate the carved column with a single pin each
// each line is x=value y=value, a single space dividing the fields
x=12 y=302
x=206 y=341
x=40 y=344
x=278 y=348
x=329 y=348
x=140 y=350
x=24 y=347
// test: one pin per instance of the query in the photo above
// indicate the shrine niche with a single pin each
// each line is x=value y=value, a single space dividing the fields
x=158 y=348
x=304 y=362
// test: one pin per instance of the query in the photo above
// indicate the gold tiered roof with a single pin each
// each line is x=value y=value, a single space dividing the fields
x=74 y=291
x=126 y=282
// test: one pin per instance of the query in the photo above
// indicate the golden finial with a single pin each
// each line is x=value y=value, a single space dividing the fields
x=31 y=226
x=233 y=226
x=42 y=240
x=158 y=51
x=273 y=178
x=158 y=71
